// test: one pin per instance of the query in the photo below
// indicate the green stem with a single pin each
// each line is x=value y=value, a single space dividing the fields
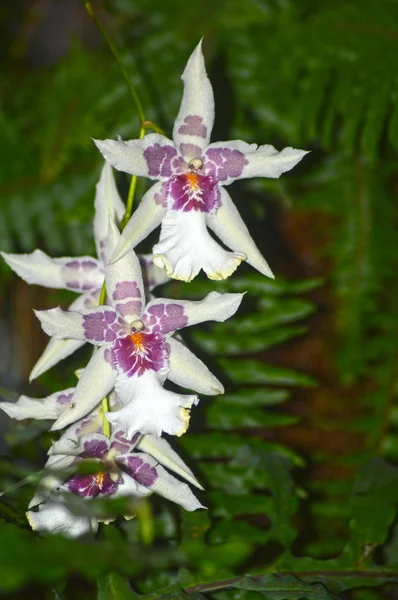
x=115 y=52
x=131 y=194
x=311 y=575
x=105 y=401
x=105 y=423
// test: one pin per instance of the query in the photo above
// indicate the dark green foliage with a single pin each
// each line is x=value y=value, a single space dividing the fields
x=302 y=502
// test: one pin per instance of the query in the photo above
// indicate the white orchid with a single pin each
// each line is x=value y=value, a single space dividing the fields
x=82 y=274
x=131 y=468
x=190 y=194
x=137 y=352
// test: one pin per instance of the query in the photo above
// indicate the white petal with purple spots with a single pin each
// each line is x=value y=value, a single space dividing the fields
x=214 y=307
x=225 y=161
x=78 y=274
x=100 y=326
x=50 y=407
x=124 y=286
x=151 y=156
x=195 y=119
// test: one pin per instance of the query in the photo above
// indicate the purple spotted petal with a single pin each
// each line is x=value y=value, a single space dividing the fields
x=102 y=326
x=165 y=317
x=64 y=399
x=159 y=160
x=224 y=163
x=193 y=125
x=82 y=275
x=91 y=486
x=141 y=471
x=94 y=449
x=127 y=298
x=139 y=352
x=122 y=444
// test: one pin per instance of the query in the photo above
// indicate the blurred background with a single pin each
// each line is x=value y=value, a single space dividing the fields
x=311 y=362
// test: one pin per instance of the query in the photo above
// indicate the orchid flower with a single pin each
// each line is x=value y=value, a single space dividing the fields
x=83 y=274
x=137 y=353
x=123 y=470
x=190 y=194
x=54 y=405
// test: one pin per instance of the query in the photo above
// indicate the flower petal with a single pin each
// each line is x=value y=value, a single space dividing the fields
x=185 y=247
x=54 y=517
x=190 y=372
x=228 y=225
x=55 y=471
x=152 y=275
x=107 y=204
x=149 y=408
x=169 y=487
x=131 y=487
x=145 y=219
x=225 y=161
x=78 y=274
x=90 y=445
x=265 y=161
x=148 y=473
x=124 y=286
x=96 y=382
x=140 y=467
x=100 y=326
x=152 y=157
x=161 y=450
x=195 y=119
x=57 y=350
x=50 y=407
x=169 y=315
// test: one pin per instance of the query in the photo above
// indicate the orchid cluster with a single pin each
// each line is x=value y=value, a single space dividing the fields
x=117 y=413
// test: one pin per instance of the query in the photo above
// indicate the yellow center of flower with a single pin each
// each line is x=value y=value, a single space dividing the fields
x=99 y=480
x=193 y=180
x=136 y=338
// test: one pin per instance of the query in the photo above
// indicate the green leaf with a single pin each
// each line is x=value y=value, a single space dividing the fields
x=231 y=505
x=374 y=506
x=254 y=397
x=229 y=531
x=236 y=417
x=115 y=587
x=222 y=343
x=256 y=372
x=218 y=445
